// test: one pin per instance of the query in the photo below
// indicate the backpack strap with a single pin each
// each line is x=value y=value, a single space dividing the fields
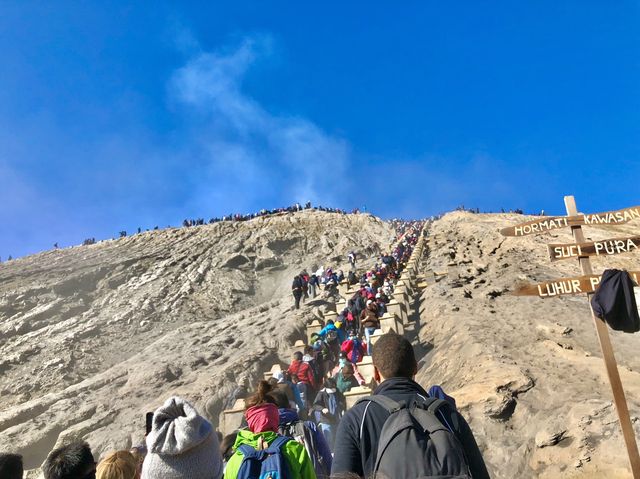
x=385 y=402
x=427 y=416
x=277 y=445
x=249 y=452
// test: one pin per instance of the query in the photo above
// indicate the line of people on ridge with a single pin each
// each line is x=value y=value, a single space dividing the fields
x=266 y=212
x=401 y=431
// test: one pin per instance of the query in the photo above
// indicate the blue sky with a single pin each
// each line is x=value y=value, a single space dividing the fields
x=114 y=116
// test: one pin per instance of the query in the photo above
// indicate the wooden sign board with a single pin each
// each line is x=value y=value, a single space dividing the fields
x=575 y=285
x=594 y=248
x=588 y=283
x=549 y=223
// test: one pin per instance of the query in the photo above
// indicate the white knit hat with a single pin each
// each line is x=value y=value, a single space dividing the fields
x=181 y=445
x=279 y=376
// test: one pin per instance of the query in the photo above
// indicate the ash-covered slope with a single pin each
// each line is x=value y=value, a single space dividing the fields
x=92 y=337
x=526 y=372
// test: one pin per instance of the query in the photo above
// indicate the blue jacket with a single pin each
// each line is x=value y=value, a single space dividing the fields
x=332 y=327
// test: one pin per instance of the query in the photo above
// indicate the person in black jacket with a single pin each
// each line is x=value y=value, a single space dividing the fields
x=359 y=430
x=329 y=406
x=296 y=289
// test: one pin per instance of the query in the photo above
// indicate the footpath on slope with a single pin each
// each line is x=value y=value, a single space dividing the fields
x=402 y=317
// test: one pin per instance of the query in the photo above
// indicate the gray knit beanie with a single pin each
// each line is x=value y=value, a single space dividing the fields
x=181 y=445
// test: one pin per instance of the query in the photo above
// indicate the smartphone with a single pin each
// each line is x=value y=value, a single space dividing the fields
x=149 y=423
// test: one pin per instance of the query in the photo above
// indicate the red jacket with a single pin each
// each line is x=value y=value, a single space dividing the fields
x=302 y=371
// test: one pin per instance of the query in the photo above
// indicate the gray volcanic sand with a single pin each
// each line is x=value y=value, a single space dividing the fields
x=526 y=372
x=92 y=337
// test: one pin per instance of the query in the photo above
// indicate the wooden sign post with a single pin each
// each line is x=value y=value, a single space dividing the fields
x=607 y=353
x=588 y=283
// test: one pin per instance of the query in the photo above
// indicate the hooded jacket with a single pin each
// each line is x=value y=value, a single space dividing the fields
x=346 y=384
x=332 y=327
x=294 y=452
x=358 y=434
x=334 y=401
x=302 y=371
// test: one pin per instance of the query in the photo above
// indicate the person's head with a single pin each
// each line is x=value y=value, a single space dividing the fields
x=308 y=350
x=262 y=409
x=272 y=381
x=297 y=356
x=330 y=321
x=393 y=357
x=279 y=376
x=279 y=398
x=262 y=394
x=347 y=370
x=352 y=334
x=181 y=444
x=226 y=445
x=139 y=452
x=118 y=465
x=11 y=466
x=72 y=461
x=329 y=383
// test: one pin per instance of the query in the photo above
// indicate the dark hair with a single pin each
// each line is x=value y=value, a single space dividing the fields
x=226 y=445
x=272 y=381
x=308 y=350
x=72 y=461
x=394 y=357
x=263 y=394
x=279 y=398
x=348 y=367
x=11 y=466
x=330 y=383
x=297 y=356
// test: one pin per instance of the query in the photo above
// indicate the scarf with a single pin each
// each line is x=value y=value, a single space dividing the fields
x=263 y=417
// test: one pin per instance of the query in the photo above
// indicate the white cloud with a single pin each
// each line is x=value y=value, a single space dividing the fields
x=250 y=147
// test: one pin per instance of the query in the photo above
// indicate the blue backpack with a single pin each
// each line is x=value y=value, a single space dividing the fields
x=268 y=463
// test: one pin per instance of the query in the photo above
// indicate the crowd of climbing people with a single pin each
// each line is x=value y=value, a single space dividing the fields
x=265 y=212
x=296 y=424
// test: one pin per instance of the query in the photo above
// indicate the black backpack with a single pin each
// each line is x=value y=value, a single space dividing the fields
x=414 y=443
